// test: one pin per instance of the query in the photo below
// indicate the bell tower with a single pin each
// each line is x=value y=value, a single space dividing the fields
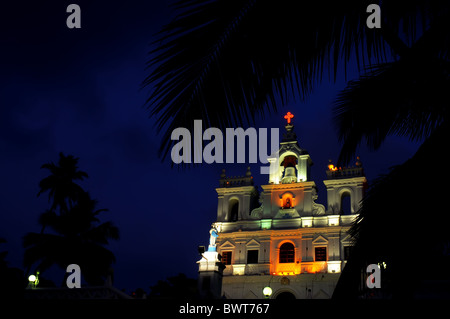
x=237 y=196
x=345 y=188
x=290 y=164
x=280 y=237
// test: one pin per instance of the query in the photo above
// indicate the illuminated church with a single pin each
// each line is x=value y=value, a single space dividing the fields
x=281 y=238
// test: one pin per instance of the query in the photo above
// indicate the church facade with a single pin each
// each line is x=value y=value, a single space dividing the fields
x=280 y=237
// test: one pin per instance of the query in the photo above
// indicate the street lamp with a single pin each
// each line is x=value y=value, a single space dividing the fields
x=33 y=280
x=267 y=291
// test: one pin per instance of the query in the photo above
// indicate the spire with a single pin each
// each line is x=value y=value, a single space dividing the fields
x=291 y=163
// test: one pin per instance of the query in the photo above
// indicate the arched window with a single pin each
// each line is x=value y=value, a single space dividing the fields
x=287 y=253
x=346 y=204
x=233 y=210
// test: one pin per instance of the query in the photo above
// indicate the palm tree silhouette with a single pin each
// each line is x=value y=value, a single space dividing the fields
x=228 y=61
x=76 y=235
x=60 y=183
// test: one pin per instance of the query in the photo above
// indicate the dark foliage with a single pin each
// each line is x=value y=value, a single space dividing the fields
x=178 y=288
x=75 y=234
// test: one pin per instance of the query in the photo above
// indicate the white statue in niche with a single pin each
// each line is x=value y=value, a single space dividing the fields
x=214 y=233
x=317 y=209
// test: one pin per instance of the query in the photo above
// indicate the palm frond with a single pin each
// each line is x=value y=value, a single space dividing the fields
x=49 y=217
x=393 y=199
x=227 y=62
x=45 y=250
x=406 y=98
x=396 y=207
x=103 y=232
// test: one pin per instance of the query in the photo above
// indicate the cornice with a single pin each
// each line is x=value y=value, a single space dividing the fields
x=301 y=185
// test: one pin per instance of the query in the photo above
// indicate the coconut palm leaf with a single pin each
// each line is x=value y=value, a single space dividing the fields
x=407 y=97
x=400 y=219
x=103 y=233
x=227 y=62
x=404 y=98
x=382 y=202
x=45 y=250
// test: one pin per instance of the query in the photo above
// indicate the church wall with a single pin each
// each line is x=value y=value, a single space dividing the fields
x=221 y=213
x=336 y=188
x=307 y=248
x=305 y=286
x=242 y=194
x=268 y=243
x=334 y=247
x=249 y=280
x=303 y=168
x=301 y=195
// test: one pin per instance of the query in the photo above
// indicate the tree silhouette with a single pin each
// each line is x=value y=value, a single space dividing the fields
x=3 y=263
x=12 y=283
x=228 y=61
x=63 y=191
x=402 y=220
x=76 y=235
x=177 y=287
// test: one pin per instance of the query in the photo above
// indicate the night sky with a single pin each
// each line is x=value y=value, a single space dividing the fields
x=77 y=91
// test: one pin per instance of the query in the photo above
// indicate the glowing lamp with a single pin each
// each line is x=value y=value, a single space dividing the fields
x=32 y=278
x=267 y=291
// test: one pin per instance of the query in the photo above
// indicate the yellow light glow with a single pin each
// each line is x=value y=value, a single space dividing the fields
x=266 y=223
x=316 y=267
x=331 y=167
x=287 y=201
x=267 y=291
x=32 y=278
